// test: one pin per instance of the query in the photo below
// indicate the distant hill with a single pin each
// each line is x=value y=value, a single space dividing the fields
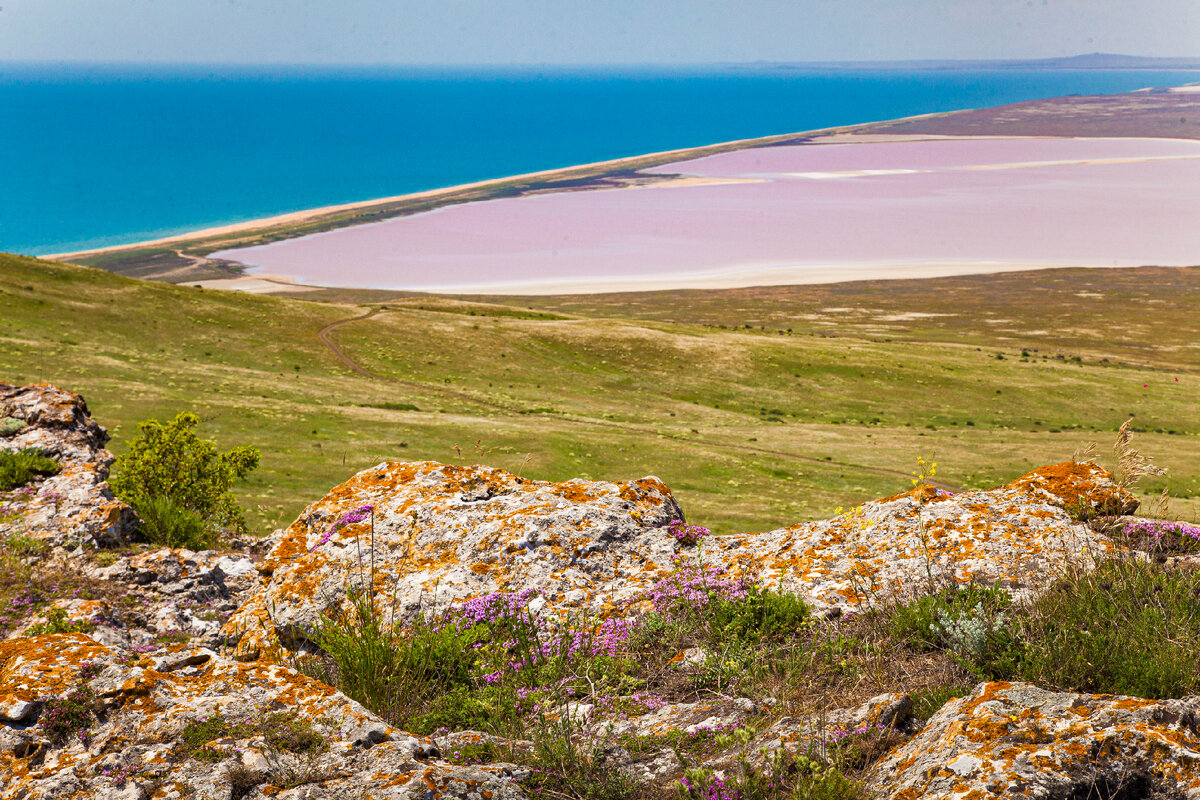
x=1085 y=61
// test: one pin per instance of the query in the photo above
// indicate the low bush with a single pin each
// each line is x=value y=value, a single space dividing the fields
x=169 y=461
x=974 y=623
x=761 y=615
x=168 y=524
x=20 y=467
x=1122 y=626
x=1126 y=627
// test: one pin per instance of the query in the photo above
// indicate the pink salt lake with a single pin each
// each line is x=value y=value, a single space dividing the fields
x=794 y=214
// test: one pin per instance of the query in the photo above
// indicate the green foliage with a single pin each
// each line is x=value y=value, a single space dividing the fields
x=761 y=615
x=68 y=715
x=57 y=622
x=171 y=461
x=396 y=674
x=473 y=753
x=22 y=545
x=19 y=468
x=287 y=732
x=458 y=709
x=194 y=738
x=392 y=406
x=782 y=777
x=1128 y=627
x=10 y=425
x=168 y=524
x=566 y=770
x=927 y=702
x=283 y=731
x=974 y=623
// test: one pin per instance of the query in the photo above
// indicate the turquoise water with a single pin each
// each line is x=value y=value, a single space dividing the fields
x=94 y=156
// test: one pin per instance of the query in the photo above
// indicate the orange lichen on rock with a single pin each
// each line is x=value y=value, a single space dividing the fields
x=440 y=534
x=1078 y=485
x=1005 y=740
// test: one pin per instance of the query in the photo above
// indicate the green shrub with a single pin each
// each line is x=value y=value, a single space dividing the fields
x=166 y=523
x=170 y=461
x=759 y=616
x=57 y=622
x=19 y=468
x=975 y=624
x=194 y=738
x=1127 y=627
x=458 y=710
x=395 y=674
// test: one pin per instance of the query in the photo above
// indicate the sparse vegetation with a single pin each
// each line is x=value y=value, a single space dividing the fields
x=167 y=524
x=20 y=467
x=57 y=622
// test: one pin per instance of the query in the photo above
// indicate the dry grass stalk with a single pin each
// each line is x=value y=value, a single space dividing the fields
x=1132 y=466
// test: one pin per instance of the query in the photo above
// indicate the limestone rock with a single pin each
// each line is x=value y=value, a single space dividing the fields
x=1015 y=740
x=75 y=506
x=142 y=707
x=441 y=534
x=903 y=546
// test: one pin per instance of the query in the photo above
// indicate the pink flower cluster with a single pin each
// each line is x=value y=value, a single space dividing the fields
x=349 y=518
x=1160 y=528
x=529 y=641
x=686 y=534
x=717 y=789
x=494 y=607
x=691 y=588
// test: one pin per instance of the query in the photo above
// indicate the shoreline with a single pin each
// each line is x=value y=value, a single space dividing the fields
x=448 y=194
x=197 y=257
x=794 y=275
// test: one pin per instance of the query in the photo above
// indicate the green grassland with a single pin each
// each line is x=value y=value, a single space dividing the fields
x=759 y=407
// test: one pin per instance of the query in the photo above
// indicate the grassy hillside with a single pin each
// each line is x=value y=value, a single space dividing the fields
x=758 y=407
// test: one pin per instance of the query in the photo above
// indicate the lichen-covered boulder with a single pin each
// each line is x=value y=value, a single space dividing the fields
x=81 y=720
x=1015 y=537
x=440 y=534
x=1015 y=740
x=75 y=506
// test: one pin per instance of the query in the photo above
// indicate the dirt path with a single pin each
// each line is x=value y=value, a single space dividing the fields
x=336 y=349
x=324 y=335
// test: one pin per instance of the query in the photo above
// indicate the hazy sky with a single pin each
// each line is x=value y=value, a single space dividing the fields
x=588 y=31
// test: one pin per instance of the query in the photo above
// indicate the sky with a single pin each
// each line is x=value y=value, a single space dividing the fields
x=587 y=31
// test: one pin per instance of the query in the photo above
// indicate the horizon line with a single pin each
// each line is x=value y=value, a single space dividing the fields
x=583 y=64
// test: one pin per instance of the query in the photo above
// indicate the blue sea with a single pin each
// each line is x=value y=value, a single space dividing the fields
x=93 y=156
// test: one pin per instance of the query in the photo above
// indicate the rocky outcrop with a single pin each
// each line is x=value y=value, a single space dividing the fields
x=179 y=687
x=81 y=720
x=436 y=535
x=1015 y=537
x=1015 y=740
x=439 y=534
x=75 y=506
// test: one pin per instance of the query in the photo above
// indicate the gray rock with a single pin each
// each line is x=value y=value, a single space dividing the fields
x=1015 y=740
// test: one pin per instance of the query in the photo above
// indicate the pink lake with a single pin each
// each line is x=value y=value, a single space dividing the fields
x=795 y=214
